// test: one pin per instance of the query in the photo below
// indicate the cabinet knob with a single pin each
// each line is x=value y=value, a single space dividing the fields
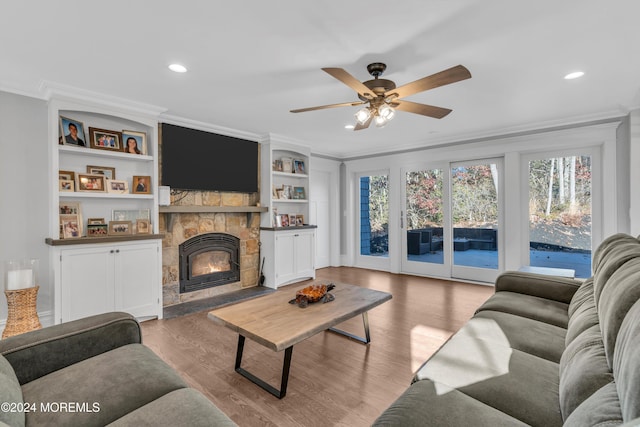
x=111 y=251
x=117 y=251
x=295 y=235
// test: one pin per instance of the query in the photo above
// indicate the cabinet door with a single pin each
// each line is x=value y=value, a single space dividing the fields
x=86 y=282
x=305 y=254
x=137 y=278
x=285 y=257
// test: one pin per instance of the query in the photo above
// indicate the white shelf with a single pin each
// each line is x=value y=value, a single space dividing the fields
x=97 y=153
x=290 y=201
x=102 y=195
x=290 y=175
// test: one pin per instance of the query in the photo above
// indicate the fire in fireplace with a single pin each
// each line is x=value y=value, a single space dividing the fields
x=209 y=260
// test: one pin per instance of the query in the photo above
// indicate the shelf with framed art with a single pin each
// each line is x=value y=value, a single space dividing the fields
x=104 y=207
x=287 y=237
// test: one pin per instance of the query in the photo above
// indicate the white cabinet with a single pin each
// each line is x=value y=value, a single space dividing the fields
x=291 y=255
x=98 y=278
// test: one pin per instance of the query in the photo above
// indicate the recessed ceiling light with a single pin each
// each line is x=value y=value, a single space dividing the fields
x=178 y=68
x=574 y=75
x=349 y=127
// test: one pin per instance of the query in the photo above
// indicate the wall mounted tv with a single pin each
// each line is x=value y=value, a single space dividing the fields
x=197 y=160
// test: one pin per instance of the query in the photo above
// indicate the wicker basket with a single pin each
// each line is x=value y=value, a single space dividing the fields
x=22 y=314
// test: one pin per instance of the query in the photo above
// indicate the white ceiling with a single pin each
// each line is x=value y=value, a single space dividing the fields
x=252 y=61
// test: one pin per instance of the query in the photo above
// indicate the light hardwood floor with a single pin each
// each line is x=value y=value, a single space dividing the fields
x=334 y=381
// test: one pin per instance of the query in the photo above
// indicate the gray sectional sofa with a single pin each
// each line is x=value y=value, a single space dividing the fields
x=542 y=351
x=95 y=372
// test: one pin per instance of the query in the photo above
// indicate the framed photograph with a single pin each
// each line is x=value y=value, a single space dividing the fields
x=71 y=226
x=95 y=221
x=299 y=219
x=72 y=132
x=117 y=187
x=120 y=228
x=134 y=142
x=299 y=193
x=292 y=220
x=66 y=185
x=90 y=182
x=68 y=175
x=69 y=208
x=97 y=230
x=143 y=226
x=105 y=139
x=298 y=166
x=277 y=165
x=287 y=164
x=287 y=191
x=141 y=184
x=130 y=215
x=109 y=173
x=285 y=220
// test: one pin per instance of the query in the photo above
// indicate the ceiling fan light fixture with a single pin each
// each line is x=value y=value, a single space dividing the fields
x=363 y=115
x=386 y=112
x=380 y=121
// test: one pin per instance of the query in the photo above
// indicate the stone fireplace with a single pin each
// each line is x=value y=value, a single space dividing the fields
x=195 y=226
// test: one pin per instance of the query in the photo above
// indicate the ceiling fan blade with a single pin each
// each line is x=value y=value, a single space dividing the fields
x=350 y=81
x=451 y=75
x=423 y=109
x=365 y=125
x=322 y=107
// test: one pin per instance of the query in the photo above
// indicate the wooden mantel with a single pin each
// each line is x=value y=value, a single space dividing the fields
x=249 y=210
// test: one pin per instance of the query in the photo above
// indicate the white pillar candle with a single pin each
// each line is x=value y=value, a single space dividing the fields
x=19 y=279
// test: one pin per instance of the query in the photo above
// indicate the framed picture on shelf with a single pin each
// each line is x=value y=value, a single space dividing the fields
x=143 y=226
x=130 y=215
x=299 y=193
x=109 y=173
x=66 y=185
x=117 y=187
x=95 y=221
x=134 y=142
x=277 y=165
x=298 y=166
x=299 y=219
x=69 y=208
x=284 y=220
x=141 y=184
x=91 y=182
x=68 y=175
x=278 y=220
x=120 y=228
x=105 y=139
x=71 y=226
x=292 y=220
x=287 y=164
x=287 y=191
x=97 y=230
x=72 y=132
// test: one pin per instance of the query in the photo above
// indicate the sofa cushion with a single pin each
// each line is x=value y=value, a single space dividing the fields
x=520 y=333
x=422 y=405
x=611 y=262
x=616 y=300
x=610 y=247
x=182 y=407
x=583 y=370
x=582 y=295
x=118 y=381
x=601 y=409
x=10 y=393
x=626 y=366
x=498 y=376
x=536 y=308
x=584 y=317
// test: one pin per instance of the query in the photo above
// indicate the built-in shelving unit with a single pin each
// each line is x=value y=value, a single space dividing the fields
x=289 y=248
x=91 y=273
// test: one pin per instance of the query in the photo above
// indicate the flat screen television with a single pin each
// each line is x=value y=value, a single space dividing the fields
x=197 y=160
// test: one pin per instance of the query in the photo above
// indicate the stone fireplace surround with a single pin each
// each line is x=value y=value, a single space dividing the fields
x=187 y=225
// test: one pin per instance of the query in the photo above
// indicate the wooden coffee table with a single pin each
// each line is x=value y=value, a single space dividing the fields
x=271 y=321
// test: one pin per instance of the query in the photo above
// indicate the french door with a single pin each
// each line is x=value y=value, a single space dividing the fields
x=451 y=220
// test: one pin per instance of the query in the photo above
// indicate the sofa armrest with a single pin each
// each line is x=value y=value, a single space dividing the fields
x=40 y=352
x=550 y=287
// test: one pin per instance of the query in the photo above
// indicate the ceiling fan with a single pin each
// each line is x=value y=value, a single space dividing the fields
x=383 y=97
